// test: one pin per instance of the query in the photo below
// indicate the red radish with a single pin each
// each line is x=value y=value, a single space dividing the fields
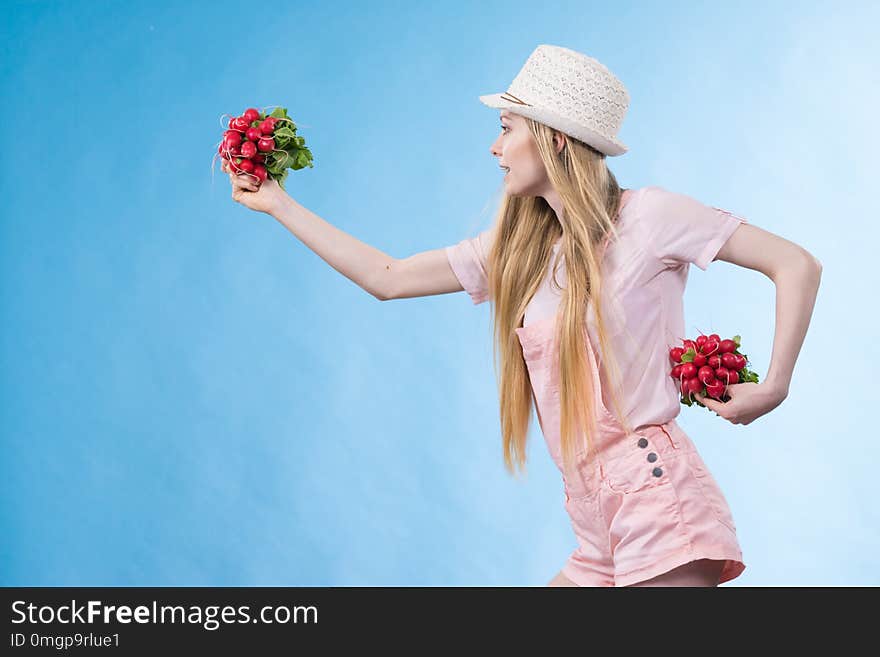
x=710 y=347
x=267 y=127
x=706 y=375
x=694 y=386
x=713 y=366
x=723 y=374
x=248 y=149
x=253 y=137
x=716 y=389
x=727 y=346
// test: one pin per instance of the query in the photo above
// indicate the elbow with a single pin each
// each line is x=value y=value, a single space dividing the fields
x=384 y=284
x=802 y=265
x=815 y=263
x=382 y=294
x=814 y=266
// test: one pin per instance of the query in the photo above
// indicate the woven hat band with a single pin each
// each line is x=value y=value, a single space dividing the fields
x=509 y=96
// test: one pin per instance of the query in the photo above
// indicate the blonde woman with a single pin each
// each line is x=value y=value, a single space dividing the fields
x=587 y=281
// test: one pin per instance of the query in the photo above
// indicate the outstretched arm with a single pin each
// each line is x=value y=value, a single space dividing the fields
x=379 y=274
x=796 y=273
x=376 y=272
x=361 y=263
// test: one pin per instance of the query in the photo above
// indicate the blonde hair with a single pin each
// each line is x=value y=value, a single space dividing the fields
x=527 y=228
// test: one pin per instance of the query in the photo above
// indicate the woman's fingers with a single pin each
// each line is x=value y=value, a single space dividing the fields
x=240 y=180
x=248 y=182
x=243 y=181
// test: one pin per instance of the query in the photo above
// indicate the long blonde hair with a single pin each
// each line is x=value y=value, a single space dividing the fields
x=527 y=229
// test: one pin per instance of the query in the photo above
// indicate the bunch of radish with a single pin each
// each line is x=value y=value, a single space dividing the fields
x=263 y=145
x=708 y=365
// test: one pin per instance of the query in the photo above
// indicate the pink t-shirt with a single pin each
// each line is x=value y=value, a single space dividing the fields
x=660 y=234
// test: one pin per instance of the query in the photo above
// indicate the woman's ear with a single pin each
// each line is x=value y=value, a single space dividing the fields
x=558 y=141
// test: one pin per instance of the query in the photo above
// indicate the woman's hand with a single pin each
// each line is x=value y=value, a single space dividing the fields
x=748 y=401
x=266 y=196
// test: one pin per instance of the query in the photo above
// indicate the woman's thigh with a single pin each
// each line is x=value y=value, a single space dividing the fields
x=702 y=572
x=560 y=580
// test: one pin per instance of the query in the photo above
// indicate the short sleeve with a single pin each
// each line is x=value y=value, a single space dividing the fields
x=682 y=230
x=469 y=260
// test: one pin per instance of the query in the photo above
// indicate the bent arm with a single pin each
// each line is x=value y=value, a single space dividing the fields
x=796 y=288
x=369 y=267
x=796 y=273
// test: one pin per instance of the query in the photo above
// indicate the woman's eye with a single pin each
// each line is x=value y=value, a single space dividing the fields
x=503 y=128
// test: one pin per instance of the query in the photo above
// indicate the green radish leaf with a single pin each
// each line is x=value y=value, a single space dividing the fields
x=688 y=356
x=282 y=159
x=284 y=132
x=279 y=113
x=303 y=159
x=736 y=339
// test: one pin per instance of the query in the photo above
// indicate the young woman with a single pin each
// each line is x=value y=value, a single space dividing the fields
x=587 y=282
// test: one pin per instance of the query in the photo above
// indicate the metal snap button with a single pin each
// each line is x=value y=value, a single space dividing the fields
x=643 y=442
x=652 y=457
x=657 y=472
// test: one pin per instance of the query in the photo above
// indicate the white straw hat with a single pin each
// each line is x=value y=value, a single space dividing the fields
x=571 y=92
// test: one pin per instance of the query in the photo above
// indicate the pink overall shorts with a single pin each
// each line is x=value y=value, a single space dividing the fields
x=645 y=503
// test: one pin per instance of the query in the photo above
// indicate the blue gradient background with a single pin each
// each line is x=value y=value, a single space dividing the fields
x=193 y=397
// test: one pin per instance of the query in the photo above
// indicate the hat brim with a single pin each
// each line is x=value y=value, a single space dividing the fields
x=612 y=147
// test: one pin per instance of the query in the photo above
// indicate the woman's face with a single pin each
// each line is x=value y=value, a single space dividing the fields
x=516 y=149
